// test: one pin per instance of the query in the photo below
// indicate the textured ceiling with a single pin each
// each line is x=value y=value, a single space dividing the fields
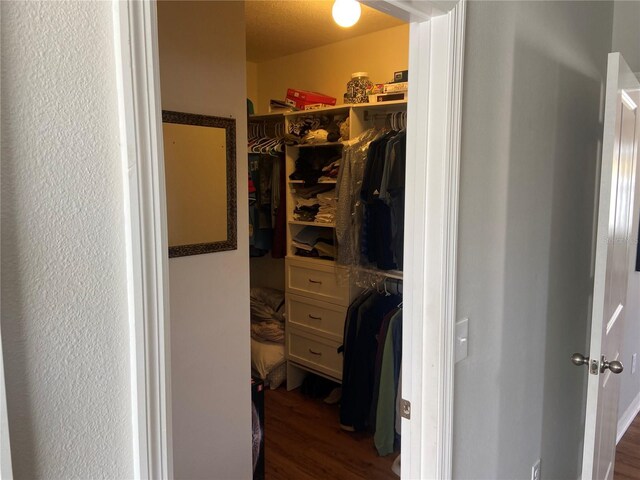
x=276 y=28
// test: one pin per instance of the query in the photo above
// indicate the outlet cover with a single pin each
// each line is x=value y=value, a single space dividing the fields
x=634 y=363
x=535 y=471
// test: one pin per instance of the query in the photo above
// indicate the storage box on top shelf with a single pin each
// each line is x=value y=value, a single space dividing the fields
x=395 y=87
x=388 y=97
x=302 y=98
x=300 y=105
x=401 y=76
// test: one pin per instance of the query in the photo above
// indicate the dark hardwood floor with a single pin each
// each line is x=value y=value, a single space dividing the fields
x=303 y=441
x=628 y=454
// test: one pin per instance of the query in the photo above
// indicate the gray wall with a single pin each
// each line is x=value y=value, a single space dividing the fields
x=64 y=296
x=626 y=31
x=534 y=73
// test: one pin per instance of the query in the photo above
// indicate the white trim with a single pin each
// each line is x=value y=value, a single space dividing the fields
x=6 y=469
x=628 y=101
x=433 y=140
x=137 y=73
x=628 y=417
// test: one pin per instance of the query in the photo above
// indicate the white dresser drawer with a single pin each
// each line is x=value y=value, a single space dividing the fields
x=322 y=282
x=313 y=316
x=315 y=353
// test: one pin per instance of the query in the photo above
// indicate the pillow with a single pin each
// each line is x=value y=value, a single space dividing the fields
x=265 y=357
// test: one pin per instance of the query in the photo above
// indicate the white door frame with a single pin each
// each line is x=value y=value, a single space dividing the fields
x=431 y=220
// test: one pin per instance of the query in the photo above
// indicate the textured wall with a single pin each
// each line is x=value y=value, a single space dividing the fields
x=64 y=298
x=202 y=70
x=533 y=77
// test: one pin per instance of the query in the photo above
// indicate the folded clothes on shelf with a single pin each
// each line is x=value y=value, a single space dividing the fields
x=314 y=242
x=321 y=208
x=312 y=191
x=312 y=162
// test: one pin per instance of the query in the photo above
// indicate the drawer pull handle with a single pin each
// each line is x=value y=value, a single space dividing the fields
x=314 y=318
x=315 y=353
x=315 y=281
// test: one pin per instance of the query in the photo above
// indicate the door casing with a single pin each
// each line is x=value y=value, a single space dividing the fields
x=436 y=49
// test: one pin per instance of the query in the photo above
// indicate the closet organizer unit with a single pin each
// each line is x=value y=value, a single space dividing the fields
x=319 y=291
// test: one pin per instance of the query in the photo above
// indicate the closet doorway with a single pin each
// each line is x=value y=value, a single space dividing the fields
x=327 y=160
x=435 y=59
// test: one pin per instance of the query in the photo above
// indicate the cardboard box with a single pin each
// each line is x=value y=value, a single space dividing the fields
x=305 y=97
x=388 y=97
x=301 y=105
x=395 y=87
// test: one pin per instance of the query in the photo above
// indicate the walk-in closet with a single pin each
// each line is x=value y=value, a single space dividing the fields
x=326 y=142
x=284 y=162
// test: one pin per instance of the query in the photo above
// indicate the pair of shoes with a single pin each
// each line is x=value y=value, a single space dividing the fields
x=395 y=468
x=334 y=397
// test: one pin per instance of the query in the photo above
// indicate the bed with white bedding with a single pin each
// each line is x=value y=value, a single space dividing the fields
x=267 y=336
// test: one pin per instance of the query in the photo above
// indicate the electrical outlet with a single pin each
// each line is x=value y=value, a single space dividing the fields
x=634 y=361
x=535 y=471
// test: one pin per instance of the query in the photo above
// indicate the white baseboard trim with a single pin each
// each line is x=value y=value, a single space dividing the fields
x=628 y=417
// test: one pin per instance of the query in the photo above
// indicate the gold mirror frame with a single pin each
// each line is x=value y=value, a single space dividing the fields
x=229 y=125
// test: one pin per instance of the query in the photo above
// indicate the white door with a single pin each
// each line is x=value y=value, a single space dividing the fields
x=617 y=183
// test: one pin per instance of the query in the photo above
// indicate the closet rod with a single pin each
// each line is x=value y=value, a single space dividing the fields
x=395 y=274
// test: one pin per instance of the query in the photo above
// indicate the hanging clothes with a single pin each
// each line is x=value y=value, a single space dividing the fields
x=370 y=189
x=348 y=186
x=279 y=246
x=385 y=438
x=260 y=227
x=382 y=194
x=267 y=210
x=364 y=319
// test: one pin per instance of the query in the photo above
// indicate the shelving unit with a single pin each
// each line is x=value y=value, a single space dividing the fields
x=319 y=291
x=300 y=182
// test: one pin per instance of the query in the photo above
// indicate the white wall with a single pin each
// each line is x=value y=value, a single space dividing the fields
x=202 y=70
x=252 y=84
x=64 y=296
x=327 y=69
x=534 y=72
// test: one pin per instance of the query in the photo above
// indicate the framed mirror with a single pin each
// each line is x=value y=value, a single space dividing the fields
x=200 y=176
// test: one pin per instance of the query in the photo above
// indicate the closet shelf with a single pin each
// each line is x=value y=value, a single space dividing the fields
x=335 y=108
x=300 y=182
x=379 y=105
x=267 y=116
x=324 y=144
x=312 y=224
x=313 y=260
x=347 y=106
x=395 y=274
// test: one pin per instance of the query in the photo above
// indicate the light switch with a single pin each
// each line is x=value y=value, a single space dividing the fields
x=462 y=339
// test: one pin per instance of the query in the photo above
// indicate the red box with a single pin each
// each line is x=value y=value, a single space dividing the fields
x=300 y=105
x=301 y=98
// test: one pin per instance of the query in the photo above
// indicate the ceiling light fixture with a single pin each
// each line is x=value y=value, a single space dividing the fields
x=346 y=13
